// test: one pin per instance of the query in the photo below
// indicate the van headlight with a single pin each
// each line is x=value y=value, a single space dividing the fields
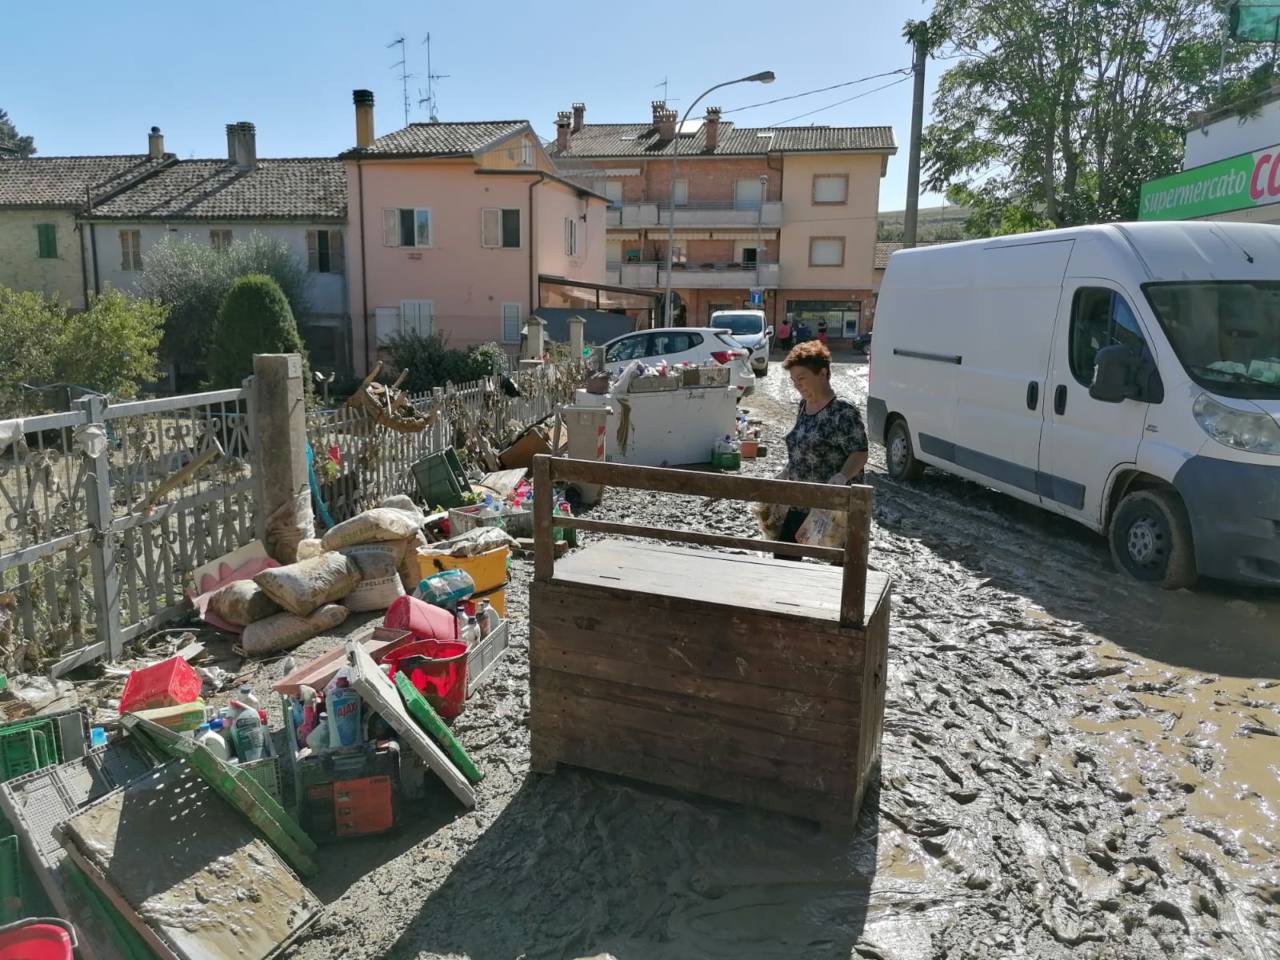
x=1254 y=432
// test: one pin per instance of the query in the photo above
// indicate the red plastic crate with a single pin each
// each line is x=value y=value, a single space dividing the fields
x=164 y=684
x=363 y=806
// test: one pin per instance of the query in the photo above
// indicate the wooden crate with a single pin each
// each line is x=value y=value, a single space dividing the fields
x=735 y=676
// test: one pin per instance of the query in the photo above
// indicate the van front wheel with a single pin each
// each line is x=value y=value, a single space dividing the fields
x=1151 y=539
x=900 y=455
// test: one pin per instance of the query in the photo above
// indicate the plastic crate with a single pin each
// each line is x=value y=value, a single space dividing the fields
x=28 y=745
x=654 y=384
x=267 y=772
x=319 y=778
x=10 y=880
x=441 y=480
x=163 y=684
x=462 y=519
x=484 y=656
x=365 y=806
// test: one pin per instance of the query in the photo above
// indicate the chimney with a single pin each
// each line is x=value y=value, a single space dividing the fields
x=363 y=99
x=667 y=125
x=563 y=120
x=712 y=126
x=155 y=144
x=579 y=113
x=246 y=146
x=657 y=106
x=231 y=142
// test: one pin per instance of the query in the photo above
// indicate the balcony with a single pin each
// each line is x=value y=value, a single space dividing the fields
x=700 y=276
x=725 y=214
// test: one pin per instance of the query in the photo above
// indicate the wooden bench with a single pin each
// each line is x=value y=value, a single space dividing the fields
x=734 y=676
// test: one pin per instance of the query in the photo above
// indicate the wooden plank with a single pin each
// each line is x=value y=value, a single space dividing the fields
x=701 y=484
x=381 y=694
x=562 y=705
x=544 y=557
x=705 y=539
x=544 y=682
x=701 y=655
x=767 y=699
x=854 y=589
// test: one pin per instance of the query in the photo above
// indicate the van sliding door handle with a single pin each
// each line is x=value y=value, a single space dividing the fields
x=1033 y=395
x=1060 y=399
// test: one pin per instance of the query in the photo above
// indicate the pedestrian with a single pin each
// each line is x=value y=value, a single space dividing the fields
x=784 y=333
x=828 y=443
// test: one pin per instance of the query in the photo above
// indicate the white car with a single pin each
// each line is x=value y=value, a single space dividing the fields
x=749 y=328
x=676 y=345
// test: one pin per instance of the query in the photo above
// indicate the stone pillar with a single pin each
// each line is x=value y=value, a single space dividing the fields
x=577 y=337
x=534 y=345
x=280 y=442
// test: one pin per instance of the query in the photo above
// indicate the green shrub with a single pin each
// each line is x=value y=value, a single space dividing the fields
x=431 y=362
x=254 y=318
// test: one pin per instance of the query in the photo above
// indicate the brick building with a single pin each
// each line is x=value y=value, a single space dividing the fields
x=790 y=211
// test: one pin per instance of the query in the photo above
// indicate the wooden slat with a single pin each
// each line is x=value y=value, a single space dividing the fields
x=853 y=593
x=833 y=554
x=544 y=555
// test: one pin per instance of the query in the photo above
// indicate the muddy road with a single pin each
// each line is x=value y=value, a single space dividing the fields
x=1073 y=765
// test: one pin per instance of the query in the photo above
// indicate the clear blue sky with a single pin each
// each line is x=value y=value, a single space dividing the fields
x=92 y=77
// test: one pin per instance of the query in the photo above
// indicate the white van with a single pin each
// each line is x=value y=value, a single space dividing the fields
x=750 y=329
x=1126 y=376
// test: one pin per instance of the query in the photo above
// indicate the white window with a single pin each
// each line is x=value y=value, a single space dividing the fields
x=130 y=249
x=748 y=194
x=571 y=236
x=613 y=190
x=406 y=227
x=500 y=228
x=324 y=251
x=830 y=188
x=511 y=322
x=387 y=322
x=220 y=239
x=417 y=317
x=681 y=193
x=826 y=251
x=526 y=154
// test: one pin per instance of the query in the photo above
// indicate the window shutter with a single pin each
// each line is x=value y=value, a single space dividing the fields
x=391 y=228
x=422 y=235
x=313 y=252
x=490 y=228
x=337 y=259
x=429 y=317
x=46 y=240
x=829 y=189
x=568 y=236
x=126 y=261
x=511 y=228
x=387 y=323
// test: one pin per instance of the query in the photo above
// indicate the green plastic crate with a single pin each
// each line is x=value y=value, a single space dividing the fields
x=441 y=480
x=26 y=750
x=10 y=880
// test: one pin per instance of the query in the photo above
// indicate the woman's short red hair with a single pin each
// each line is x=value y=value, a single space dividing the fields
x=812 y=355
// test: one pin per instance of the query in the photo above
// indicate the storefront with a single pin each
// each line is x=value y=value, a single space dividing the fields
x=837 y=319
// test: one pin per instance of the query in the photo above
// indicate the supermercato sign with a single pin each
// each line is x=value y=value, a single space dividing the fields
x=1249 y=180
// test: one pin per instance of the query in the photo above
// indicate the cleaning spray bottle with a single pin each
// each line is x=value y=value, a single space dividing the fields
x=246 y=732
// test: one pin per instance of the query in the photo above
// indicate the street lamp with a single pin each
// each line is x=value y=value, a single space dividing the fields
x=764 y=195
x=764 y=76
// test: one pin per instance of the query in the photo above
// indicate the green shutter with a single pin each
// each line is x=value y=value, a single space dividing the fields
x=46 y=241
x=1255 y=21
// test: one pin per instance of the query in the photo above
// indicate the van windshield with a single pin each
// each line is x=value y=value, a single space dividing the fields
x=1225 y=333
x=745 y=324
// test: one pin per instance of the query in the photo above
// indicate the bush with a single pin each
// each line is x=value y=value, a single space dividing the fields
x=111 y=347
x=431 y=362
x=254 y=318
x=193 y=278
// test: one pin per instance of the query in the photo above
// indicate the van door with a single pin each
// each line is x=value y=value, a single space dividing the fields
x=1000 y=378
x=1086 y=439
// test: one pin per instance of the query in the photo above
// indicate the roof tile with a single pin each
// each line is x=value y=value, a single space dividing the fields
x=439 y=139
x=642 y=140
x=65 y=181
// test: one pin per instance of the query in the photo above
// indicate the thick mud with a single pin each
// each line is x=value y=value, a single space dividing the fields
x=1073 y=765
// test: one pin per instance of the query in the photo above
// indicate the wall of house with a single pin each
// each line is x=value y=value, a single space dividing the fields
x=326 y=292
x=22 y=269
x=711 y=179
x=509 y=155
x=854 y=220
x=554 y=203
x=1232 y=136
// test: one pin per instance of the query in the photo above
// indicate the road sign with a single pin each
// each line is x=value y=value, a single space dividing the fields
x=757 y=296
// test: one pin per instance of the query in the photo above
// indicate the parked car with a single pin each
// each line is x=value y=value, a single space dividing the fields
x=1126 y=376
x=862 y=343
x=698 y=345
x=749 y=328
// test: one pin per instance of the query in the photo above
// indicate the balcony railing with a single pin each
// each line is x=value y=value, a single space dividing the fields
x=705 y=214
x=652 y=274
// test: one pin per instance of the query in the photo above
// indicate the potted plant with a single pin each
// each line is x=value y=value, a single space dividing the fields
x=734 y=265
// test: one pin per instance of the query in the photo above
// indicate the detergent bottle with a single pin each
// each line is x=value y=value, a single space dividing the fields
x=209 y=737
x=247 y=736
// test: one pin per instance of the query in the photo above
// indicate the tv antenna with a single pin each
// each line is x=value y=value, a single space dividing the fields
x=429 y=100
x=402 y=63
x=663 y=85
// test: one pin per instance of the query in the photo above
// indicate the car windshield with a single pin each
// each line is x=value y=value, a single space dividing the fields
x=1225 y=333
x=745 y=324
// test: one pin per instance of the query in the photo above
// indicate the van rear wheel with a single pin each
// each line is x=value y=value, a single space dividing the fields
x=899 y=454
x=1150 y=539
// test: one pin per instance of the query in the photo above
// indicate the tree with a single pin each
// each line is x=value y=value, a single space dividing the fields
x=111 y=347
x=1058 y=110
x=11 y=144
x=431 y=362
x=255 y=318
x=194 y=279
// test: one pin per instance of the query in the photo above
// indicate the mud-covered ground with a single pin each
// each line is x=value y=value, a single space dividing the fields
x=1073 y=765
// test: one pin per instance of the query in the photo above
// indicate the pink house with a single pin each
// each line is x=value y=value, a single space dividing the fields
x=451 y=224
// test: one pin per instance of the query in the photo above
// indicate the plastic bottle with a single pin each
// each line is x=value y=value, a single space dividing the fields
x=247 y=697
x=473 y=631
x=318 y=738
x=247 y=735
x=343 y=705
x=488 y=618
x=310 y=713
x=210 y=738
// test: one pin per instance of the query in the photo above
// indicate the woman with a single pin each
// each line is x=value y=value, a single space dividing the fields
x=784 y=334
x=828 y=444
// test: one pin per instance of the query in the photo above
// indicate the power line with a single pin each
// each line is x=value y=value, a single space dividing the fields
x=857 y=96
x=809 y=93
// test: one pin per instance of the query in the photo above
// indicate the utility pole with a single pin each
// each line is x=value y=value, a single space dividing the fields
x=917 y=32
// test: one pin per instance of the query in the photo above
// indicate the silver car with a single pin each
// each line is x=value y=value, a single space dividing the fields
x=676 y=345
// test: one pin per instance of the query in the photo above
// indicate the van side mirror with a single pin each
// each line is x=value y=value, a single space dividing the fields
x=1115 y=375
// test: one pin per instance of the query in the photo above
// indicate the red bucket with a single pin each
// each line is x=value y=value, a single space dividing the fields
x=38 y=939
x=437 y=669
